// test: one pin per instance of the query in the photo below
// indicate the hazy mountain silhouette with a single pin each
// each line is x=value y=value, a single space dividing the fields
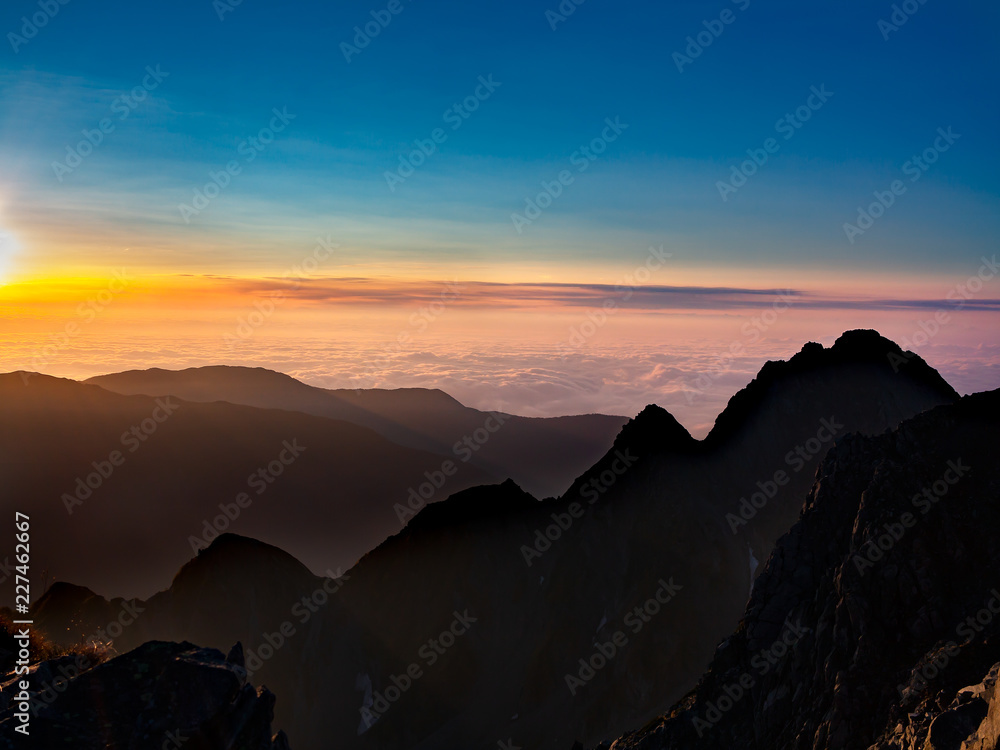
x=327 y=493
x=543 y=455
x=676 y=526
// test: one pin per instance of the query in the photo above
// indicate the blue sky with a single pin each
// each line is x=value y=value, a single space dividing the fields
x=654 y=184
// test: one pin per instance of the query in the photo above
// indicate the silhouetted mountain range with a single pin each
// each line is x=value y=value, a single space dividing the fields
x=541 y=454
x=493 y=617
x=108 y=477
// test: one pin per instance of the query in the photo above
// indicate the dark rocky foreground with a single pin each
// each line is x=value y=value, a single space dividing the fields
x=876 y=621
x=161 y=696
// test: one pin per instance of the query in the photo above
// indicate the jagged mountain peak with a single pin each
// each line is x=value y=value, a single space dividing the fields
x=875 y=617
x=859 y=347
x=655 y=427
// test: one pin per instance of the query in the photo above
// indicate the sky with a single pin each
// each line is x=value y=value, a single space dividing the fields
x=548 y=208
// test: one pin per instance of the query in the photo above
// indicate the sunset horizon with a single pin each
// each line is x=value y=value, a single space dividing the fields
x=354 y=193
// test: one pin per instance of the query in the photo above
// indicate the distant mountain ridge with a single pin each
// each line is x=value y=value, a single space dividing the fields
x=107 y=477
x=540 y=454
x=80 y=453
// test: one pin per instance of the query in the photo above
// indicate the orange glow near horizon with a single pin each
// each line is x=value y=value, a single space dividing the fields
x=524 y=338
x=160 y=287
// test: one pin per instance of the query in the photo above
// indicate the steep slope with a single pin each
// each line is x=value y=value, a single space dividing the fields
x=542 y=455
x=576 y=618
x=108 y=479
x=875 y=623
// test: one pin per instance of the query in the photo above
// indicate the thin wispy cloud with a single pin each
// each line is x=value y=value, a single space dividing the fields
x=361 y=290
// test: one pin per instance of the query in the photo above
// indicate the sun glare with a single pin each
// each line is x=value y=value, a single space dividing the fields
x=8 y=248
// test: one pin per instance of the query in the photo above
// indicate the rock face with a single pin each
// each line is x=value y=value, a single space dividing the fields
x=492 y=616
x=161 y=695
x=984 y=700
x=875 y=622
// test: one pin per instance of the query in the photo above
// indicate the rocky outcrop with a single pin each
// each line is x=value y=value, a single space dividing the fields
x=161 y=695
x=985 y=699
x=970 y=722
x=876 y=612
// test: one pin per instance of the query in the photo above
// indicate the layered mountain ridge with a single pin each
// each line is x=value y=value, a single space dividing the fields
x=108 y=476
x=540 y=454
x=641 y=553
